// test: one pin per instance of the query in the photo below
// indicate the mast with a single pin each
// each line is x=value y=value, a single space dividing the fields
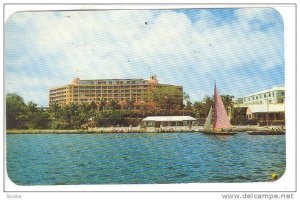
x=221 y=120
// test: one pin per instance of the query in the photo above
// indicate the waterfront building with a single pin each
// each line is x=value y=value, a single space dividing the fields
x=266 y=112
x=273 y=95
x=121 y=90
x=264 y=106
x=163 y=121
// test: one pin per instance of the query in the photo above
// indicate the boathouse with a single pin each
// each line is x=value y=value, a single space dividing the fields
x=166 y=121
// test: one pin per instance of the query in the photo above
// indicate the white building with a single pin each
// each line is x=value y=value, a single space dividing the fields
x=266 y=112
x=161 y=121
x=270 y=96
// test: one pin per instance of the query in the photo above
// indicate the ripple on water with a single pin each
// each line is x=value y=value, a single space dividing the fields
x=48 y=159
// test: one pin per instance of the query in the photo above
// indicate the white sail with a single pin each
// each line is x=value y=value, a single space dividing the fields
x=208 y=123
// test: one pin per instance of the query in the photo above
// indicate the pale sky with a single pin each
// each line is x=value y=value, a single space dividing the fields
x=241 y=49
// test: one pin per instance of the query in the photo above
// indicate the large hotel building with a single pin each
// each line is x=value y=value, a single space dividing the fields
x=86 y=91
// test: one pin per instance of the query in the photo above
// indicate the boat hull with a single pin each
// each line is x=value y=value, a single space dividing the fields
x=219 y=132
x=266 y=132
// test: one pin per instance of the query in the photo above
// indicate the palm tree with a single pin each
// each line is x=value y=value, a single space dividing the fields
x=101 y=104
x=93 y=105
x=228 y=102
x=55 y=107
x=131 y=104
x=32 y=107
x=208 y=102
x=199 y=109
x=114 y=104
x=73 y=109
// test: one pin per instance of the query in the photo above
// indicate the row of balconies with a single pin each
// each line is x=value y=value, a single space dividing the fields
x=57 y=93
x=133 y=92
x=111 y=91
x=109 y=88
x=108 y=95
x=95 y=99
x=112 y=82
x=58 y=90
x=58 y=96
x=267 y=95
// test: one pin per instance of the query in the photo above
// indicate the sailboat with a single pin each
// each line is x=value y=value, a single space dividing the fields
x=208 y=123
x=217 y=121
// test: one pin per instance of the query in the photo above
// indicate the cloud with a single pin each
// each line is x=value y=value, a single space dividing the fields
x=54 y=47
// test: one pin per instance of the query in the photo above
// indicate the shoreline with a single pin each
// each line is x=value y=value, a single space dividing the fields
x=41 y=131
x=50 y=131
x=116 y=130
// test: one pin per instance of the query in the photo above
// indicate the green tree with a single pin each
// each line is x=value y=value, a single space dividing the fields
x=102 y=104
x=188 y=109
x=186 y=97
x=32 y=115
x=187 y=106
x=16 y=111
x=168 y=98
x=228 y=102
x=116 y=118
x=93 y=105
x=20 y=115
x=208 y=102
x=43 y=119
x=55 y=107
x=199 y=109
x=114 y=104
x=131 y=104
x=38 y=119
x=85 y=113
x=69 y=117
x=32 y=107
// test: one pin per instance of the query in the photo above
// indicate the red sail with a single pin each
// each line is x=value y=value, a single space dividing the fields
x=221 y=120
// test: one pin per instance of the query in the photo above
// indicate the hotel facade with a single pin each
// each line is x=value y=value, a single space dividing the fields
x=264 y=106
x=273 y=95
x=121 y=90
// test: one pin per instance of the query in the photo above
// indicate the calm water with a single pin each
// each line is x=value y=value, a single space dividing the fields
x=42 y=159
